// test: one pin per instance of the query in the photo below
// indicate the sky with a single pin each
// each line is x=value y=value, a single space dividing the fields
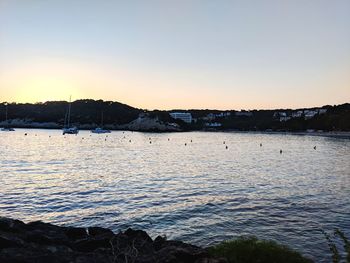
x=179 y=54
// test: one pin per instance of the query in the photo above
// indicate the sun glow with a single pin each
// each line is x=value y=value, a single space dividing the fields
x=46 y=88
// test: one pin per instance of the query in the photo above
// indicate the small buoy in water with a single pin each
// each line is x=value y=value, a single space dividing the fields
x=185 y=144
x=168 y=139
x=82 y=138
x=25 y=134
x=150 y=142
x=226 y=147
x=280 y=151
x=49 y=136
x=224 y=142
x=105 y=139
x=260 y=144
x=129 y=140
x=314 y=147
x=36 y=135
x=191 y=140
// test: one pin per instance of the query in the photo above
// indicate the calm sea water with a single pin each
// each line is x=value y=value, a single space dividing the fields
x=201 y=193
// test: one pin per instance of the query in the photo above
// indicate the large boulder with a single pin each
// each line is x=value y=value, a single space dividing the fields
x=41 y=242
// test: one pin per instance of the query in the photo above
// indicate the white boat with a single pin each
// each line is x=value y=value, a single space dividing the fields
x=71 y=130
x=100 y=130
x=67 y=129
x=7 y=128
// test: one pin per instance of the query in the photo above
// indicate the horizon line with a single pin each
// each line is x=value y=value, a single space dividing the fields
x=173 y=109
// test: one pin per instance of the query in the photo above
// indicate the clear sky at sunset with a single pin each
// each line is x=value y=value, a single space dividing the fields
x=177 y=54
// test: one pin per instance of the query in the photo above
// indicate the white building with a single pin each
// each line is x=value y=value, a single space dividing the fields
x=185 y=116
x=223 y=114
x=297 y=114
x=322 y=111
x=309 y=114
x=286 y=118
x=213 y=124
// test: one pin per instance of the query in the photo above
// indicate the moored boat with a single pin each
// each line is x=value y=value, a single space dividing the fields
x=7 y=127
x=67 y=128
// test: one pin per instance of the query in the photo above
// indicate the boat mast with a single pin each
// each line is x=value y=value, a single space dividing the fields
x=69 y=107
x=6 y=112
x=101 y=119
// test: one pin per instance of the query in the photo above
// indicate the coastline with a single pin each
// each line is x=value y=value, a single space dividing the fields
x=54 y=126
x=39 y=242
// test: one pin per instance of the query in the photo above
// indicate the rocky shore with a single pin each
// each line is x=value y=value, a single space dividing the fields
x=42 y=242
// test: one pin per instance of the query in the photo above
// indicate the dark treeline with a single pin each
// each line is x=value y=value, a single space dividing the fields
x=82 y=111
x=337 y=117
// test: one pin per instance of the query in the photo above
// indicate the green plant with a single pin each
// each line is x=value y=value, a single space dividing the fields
x=252 y=250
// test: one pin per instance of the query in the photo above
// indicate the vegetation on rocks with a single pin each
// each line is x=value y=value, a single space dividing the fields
x=252 y=250
x=87 y=113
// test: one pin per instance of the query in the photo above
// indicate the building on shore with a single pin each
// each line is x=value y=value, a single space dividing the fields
x=213 y=124
x=184 y=116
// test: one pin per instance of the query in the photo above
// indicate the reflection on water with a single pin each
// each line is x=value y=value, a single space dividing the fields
x=201 y=193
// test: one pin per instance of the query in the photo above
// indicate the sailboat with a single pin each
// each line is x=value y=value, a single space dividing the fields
x=67 y=129
x=100 y=129
x=7 y=127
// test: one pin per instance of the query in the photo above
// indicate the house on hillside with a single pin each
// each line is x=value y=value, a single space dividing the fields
x=184 y=116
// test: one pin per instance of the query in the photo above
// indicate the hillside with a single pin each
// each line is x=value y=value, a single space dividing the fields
x=87 y=114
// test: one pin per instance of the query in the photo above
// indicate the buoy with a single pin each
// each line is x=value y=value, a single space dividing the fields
x=224 y=142
x=226 y=147
x=185 y=144
x=281 y=151
x=150 y=142
x=314 y=147
x=129 y=140
x=25 y=134
x=168 y=139
x=260 y=144
x=191 y=140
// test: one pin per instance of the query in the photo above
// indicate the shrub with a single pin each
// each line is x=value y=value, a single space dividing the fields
x=252 y=250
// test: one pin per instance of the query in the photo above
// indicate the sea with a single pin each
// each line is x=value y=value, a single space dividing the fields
x=198 y=187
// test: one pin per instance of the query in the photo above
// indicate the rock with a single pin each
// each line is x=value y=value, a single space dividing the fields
x=76 y=233
x=99 y=231
x=158 y=242
x=10 y=242
x=138 y=235
x=90 y=245
x=39 y=238
x=11 y=225
x=39 y=242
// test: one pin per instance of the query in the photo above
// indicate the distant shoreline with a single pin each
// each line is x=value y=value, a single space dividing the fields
x=335 y=134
